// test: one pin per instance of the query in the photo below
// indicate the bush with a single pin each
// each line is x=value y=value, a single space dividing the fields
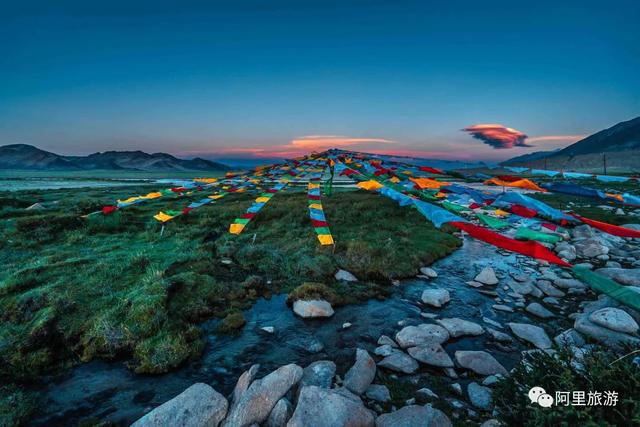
x=232 y=322
x=311 y=291
x=600 y=371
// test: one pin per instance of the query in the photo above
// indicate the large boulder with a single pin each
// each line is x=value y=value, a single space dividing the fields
x=319 y=373
x=399 y=362
x=590 y=248
x=280 y=414
x=459 y=327
x=605 y=336
x=487 y=276
x=198 y=406
x=378 y=392
x=429 y=272
x=435 y=297
x=361 y=374
x=411 y=336
x=480 y=362
x=321 y=407
x=614 y=319
x=243 y=384
x=256 y=403
x=312 y=308
x=414 y=416
x=531 y=333
x=624 y=276
x=431 y=354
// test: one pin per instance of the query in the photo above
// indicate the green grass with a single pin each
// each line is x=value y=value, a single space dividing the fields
x=74 y=289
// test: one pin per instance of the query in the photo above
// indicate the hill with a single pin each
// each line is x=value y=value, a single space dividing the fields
x=23 y=156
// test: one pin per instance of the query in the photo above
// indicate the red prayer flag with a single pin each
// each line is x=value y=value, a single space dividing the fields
x=528 y=248
x=523 y=211
x=609 y=228
x=430 y=170
x=109 y=209
x=317 y=223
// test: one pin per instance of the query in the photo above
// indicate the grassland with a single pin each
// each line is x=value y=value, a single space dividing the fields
x=112 y=287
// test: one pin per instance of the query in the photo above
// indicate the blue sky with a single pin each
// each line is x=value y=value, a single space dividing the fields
x=265 y=78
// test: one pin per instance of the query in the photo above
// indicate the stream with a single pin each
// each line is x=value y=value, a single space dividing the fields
x=111 y=392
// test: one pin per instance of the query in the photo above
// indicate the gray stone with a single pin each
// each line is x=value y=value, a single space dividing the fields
x=268 y=329
x=502 y=307
x=614 y=319
x=280 y=414
x=569 y=283
x=546 y=287
x=411 y=336
x=427 y=393
x=321 y=407
x=590 y=248
x=435 y=297
x=243 y=383
x=538 y=310
x=384 y=350
x=343 y=275
x=569 y=338
x=498 y=336
x=387 y=340
x=531 y=333
x=480 y=396
x=319 y=373
x=256 y=403
x=378 y=392
x=312 y=308
x=431 y=354
x=479 y=362
x=522 y=288
x=605 y=336
x=361 y=374
x=198 y=406
x=429 y=272
x=459 y=327
x=487 y=276
x=399 y=362
x=414 y=416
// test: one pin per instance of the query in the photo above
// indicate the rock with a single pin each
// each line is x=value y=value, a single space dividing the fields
x=312 y=308
x=361 y=374
x=429 y=272
x=502 y=307
x=474 y=284
x=498 y=336
x=487 y=276
x=435 y=297
x=491 y=423
x=280 y=414
x=431 y=354
x=456 y=388
x=538 y=310
x=603 y=335
x=619 y=211
x=590 y=248
x=414 y=416
x=321 y=407
x=530 y=333
x=459 y=327
x=479 y=362
x=384 y=350
x=427 y=393
x=346 y=325
x=243 y=383
x=569 y=283
x=546 y=287
x=412 y=336
x=343 y=275
x=385 y=340
x=268 y=329
x=523 y=288
x=569 y=338
x=256 y=403
x=491 y=380
x=378 y=392
x=624 y=276
x=34 y=207
x=614 y=319
x=582 y=232
x=199 y=405
x=480 y=396
x=319 y=373
x=399 y=362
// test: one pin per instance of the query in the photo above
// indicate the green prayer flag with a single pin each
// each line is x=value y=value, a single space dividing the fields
x=525 y=233
x=609 y=287
x=492 y=222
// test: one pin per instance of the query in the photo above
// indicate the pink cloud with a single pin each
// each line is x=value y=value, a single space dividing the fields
x=497 y=135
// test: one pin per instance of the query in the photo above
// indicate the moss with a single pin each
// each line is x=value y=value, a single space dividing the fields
x=232 y=322
x=16 y=405
x=310 y=291
x=167 y=350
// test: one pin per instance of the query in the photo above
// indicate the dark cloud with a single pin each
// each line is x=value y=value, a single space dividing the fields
x=498 y=136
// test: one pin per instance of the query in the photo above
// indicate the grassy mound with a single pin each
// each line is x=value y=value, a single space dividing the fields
x=110 y=287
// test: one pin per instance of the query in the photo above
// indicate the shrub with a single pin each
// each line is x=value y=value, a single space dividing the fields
x=311 y=291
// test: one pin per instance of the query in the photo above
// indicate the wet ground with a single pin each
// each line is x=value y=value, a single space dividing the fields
x=110 y=392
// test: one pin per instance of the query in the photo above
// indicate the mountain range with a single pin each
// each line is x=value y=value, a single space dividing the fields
x=23 y=156
x=617 y=147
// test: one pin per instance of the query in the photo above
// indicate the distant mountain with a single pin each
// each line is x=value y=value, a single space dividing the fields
x=22 y=156
x=529 y=157
x=616 y=148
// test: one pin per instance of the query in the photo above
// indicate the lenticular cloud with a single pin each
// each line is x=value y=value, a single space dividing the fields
x=498 y=136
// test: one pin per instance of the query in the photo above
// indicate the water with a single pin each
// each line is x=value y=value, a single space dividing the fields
x=57 y=184
x=110 y=392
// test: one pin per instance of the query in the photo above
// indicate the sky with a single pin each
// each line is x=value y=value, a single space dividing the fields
x=271 y=78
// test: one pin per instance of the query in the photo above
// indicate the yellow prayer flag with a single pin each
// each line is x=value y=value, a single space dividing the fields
x=262 y=199
x=163 y=217
x=500 y=212
x=370 y=185
x=315 y=206
x=325 y=239
x=236 y=228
